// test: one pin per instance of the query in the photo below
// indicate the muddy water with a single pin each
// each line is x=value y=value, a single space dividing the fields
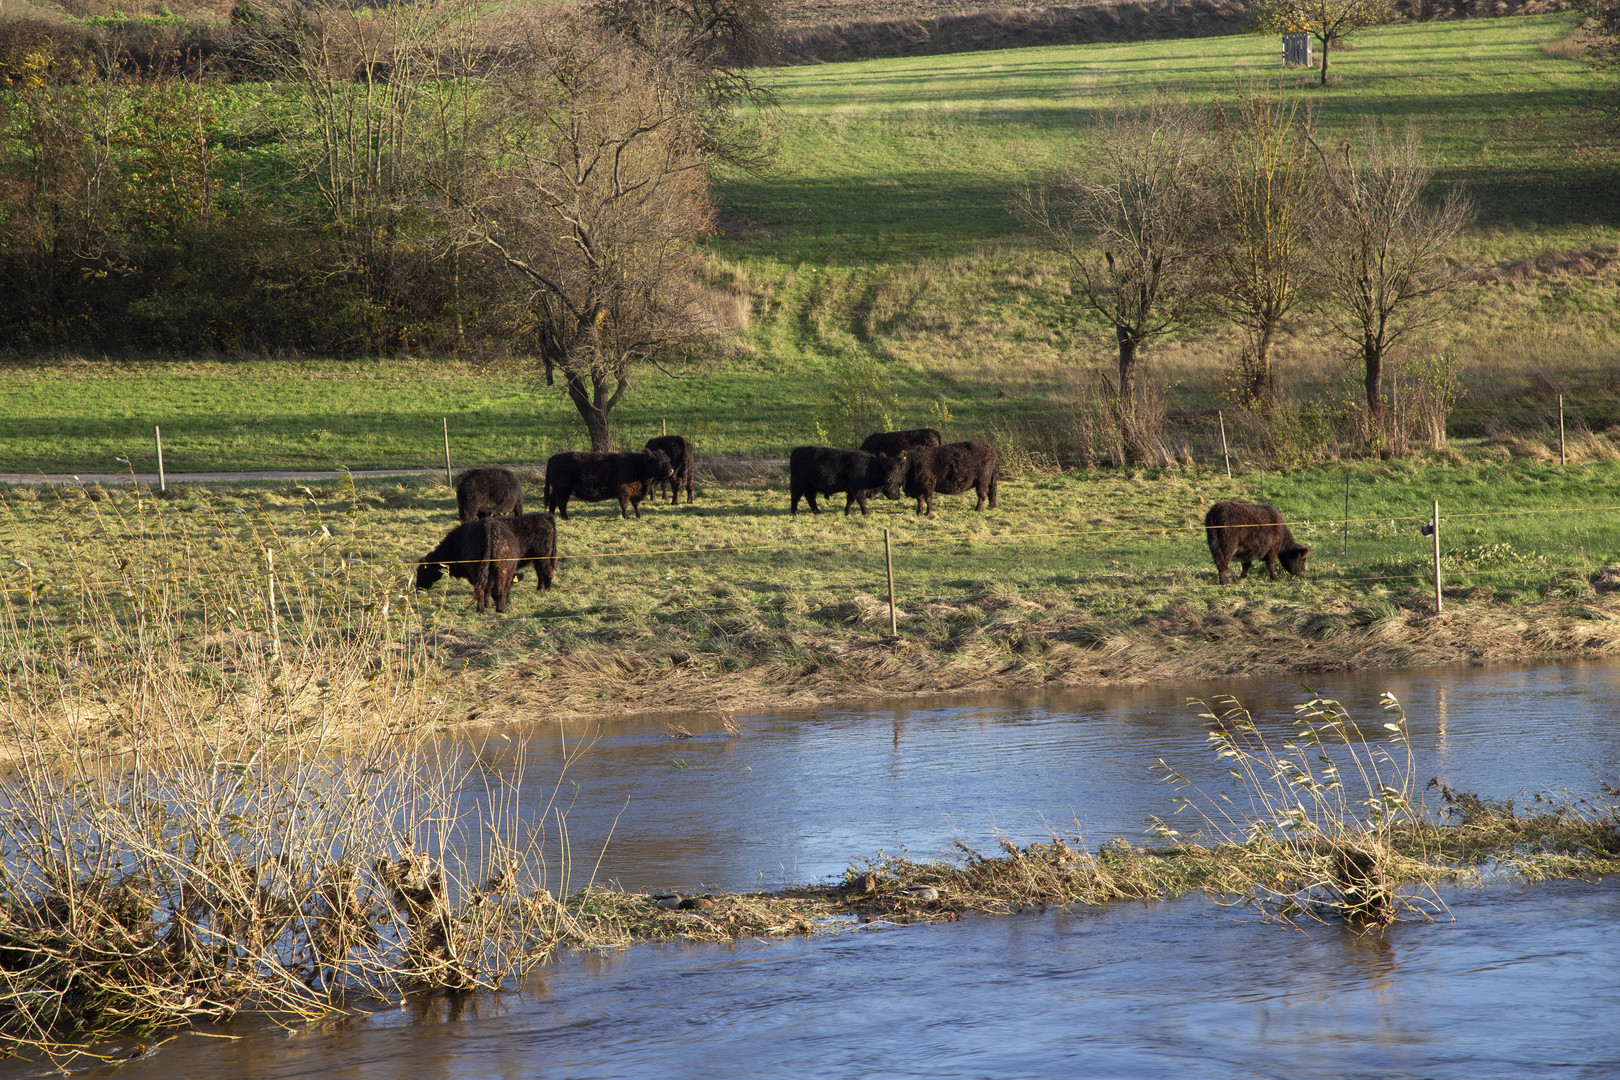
x=1526 y=982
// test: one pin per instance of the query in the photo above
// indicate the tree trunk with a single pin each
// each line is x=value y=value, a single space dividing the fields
x=1324 y=60
x=1261 y=388
x=1373 y=356
x=1129 y=436
x=593 y=403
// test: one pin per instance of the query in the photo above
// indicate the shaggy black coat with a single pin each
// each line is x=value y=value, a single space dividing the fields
x=484 y=551
x=682 y=459
x=826 y=470
x=1249 y=532
x=596 y=475
x=537 y=534
x=950 y=470
x=898 y=442
x=490 y=492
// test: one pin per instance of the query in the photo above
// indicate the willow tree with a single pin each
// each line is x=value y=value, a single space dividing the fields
x=1128 y=218
x=1328 y=21
x=589 y=184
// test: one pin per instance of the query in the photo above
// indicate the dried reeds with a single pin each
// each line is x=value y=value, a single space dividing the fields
x=213 y=800
x=1319 y=812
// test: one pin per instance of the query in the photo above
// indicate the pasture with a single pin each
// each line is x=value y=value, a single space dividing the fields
x=730 y=603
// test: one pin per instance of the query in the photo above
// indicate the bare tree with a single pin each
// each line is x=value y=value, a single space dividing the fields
x=1328 y=21
x=1387 y=274
x=1128 y=222
x=589 y=184
x=1266 y=205
x=723 y=43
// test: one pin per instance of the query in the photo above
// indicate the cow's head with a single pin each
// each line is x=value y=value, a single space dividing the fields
x=1293 y=559
x=427 y=574
x=890 y=474
x=659 y=466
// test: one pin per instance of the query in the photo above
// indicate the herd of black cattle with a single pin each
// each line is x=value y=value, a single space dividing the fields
x=496 y=538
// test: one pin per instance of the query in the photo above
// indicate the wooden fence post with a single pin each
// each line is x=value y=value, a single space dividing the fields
x=1562 y=459
x=163 y=481
x=446 y=421
x=1347 y=513
x=888 y=559
x=663 y=427
x=1221 y=416
x=1439 y=603
x=275 y=616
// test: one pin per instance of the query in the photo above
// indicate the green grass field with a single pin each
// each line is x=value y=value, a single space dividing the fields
x=1074 y=577
x=886 y=233
x=890 y=160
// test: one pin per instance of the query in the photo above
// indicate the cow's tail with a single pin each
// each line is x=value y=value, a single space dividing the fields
x=995 y=470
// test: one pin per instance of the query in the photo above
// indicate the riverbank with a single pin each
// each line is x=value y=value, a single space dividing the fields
x=271 y=597
x=1197 y=641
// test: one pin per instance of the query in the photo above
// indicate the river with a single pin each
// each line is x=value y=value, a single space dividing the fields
x=1525 y=981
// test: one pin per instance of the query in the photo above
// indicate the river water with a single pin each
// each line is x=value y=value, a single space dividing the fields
x=1525 y=982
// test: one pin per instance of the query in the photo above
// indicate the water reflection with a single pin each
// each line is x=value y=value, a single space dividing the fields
x=794 y=797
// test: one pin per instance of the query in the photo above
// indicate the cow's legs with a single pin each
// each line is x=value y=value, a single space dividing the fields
x=504 y=574
x=1246 y=564
x=1271 y=566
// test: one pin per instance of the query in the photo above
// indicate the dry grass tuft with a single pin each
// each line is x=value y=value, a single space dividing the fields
x=1321 y=813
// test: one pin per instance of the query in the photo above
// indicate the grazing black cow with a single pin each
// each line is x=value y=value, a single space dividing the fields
x=678 y=448
x=1249 y=532
x=484 y=551
x=537 y=535
x=950 y=470
x=825 y=470
x=898 y=442
x=598 y=475
x=488 y=493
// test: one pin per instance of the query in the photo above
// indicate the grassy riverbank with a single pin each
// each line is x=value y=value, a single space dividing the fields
x=730 y=604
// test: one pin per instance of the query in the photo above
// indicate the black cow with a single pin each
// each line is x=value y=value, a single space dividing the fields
x=898 y=442
x=484 y=551
x=488 y=492
x=1249 y=532
x=825 y=470
x=950 y=470
x=537 y=534
x=597 y=475
x=678 y=448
